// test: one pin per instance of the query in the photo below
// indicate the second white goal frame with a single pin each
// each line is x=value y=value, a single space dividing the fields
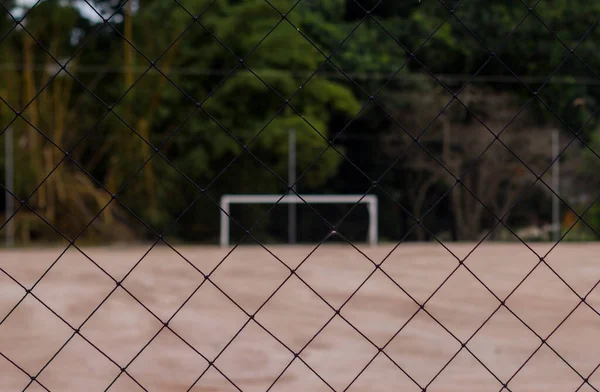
x=370 y=200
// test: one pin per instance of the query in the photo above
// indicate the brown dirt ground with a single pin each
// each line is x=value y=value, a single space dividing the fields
x=176 y=358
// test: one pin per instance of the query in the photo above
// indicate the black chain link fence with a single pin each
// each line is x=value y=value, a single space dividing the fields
x=458 y=179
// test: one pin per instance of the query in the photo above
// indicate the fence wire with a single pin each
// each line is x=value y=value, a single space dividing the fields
x=377 y=266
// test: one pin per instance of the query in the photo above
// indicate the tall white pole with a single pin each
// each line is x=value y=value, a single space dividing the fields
x=373 y=221
x=224 y=237
x=9 y=207
x=292 y=180
x=555 y=186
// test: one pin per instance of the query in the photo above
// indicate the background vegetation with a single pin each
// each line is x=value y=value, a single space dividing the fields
x=154 y=78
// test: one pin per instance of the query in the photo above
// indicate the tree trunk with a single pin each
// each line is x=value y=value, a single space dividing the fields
x=418 y=205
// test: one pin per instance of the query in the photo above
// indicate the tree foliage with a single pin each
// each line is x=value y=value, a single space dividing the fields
x=156 y=106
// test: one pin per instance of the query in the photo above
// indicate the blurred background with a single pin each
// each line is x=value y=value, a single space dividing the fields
x=354 y=118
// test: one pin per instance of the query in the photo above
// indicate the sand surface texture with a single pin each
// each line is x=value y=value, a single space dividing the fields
x=211 y=344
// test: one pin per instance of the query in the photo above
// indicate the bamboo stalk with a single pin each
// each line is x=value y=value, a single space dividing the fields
x=35 y=152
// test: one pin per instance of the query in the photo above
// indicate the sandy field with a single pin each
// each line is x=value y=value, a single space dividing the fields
x=381 y=340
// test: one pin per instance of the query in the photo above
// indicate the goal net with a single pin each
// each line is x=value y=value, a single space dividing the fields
x=369 y=200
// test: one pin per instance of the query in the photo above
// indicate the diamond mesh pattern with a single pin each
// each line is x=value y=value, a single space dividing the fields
x=424 y=311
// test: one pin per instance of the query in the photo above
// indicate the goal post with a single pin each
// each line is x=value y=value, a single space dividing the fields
x=370 y=200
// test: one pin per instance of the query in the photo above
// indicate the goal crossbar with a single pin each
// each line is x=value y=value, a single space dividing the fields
x=369 y=200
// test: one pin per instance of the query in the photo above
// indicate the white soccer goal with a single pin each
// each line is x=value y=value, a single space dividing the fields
x=369 y=200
